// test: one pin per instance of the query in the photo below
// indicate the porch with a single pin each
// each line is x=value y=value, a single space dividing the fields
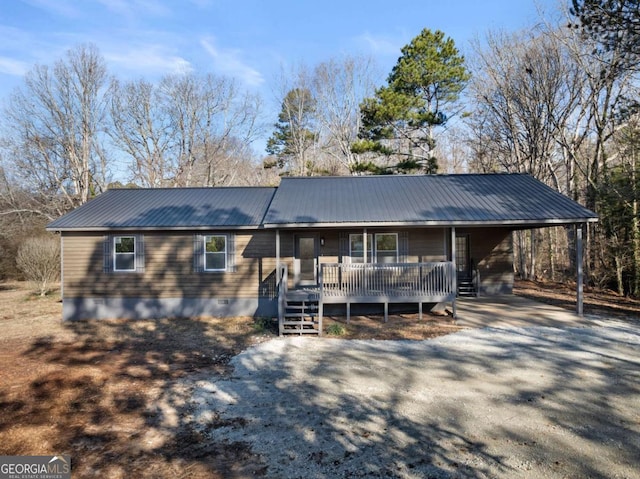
x=300 y=310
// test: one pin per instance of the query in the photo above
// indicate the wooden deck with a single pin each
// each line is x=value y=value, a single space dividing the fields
x=387 y=283
x=342 y=283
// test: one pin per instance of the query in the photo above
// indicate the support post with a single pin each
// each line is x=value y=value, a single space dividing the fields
x=320 y=299
x=364 y=246
x=579 y=272
x=454 y=280
x=278 y=272
x=61 y=267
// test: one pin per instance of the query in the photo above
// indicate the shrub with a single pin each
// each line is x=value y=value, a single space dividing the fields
x=39 y=259
x=262 y=325
x=336 y=329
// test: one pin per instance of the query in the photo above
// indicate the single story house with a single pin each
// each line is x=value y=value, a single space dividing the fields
x=300 y=248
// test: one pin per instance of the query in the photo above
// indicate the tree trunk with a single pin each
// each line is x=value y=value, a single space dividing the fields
x=635 y=228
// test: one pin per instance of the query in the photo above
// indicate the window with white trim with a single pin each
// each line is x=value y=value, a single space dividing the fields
x=215 y=253
x=381 y=248
x=124 y=253
x=356 y=248
x=386 y=247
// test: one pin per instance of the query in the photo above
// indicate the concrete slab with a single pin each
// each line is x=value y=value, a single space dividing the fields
x=509 y=311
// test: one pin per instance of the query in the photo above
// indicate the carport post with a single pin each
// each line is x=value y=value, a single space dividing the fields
x=579 y=268
x=454 y=281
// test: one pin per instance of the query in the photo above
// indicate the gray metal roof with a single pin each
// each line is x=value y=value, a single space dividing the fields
x=170 y=208
x=491 y=199
x=468 y=199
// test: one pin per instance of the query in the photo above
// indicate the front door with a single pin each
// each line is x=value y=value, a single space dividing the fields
x=306 y=260
x=463 y=261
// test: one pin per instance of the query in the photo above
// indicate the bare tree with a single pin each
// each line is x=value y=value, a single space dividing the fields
x=319 y=115
x=189 y=130
x=527 y=91
x=211 y=123
x=141 y=130
x=339 y=86
x=523 y=97
x=54 y=127
x=39 y=259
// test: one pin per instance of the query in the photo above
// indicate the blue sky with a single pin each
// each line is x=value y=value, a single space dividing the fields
x=247 y=39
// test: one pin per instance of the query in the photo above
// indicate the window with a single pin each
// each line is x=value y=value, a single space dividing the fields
x=381 y=248
x=215 y=253
x=124 y=253
x=387 y=248
x=356 y=248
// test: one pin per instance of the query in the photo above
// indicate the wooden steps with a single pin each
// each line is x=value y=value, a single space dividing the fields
x=300 y=314
x=467 y=288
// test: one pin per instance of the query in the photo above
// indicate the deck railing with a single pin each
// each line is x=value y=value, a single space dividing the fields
x=377 y=282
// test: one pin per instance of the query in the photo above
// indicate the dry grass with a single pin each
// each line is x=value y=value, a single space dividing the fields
x=399 y=326
x=597 y=302
x=113 y=394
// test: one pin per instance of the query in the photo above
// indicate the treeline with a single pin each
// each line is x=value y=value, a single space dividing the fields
x=557 y=101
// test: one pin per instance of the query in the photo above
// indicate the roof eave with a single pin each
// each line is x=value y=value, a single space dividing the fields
x=469 y=223
x=153 y=228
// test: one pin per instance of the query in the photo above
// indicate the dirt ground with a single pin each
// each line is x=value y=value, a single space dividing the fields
x=112 y=395
x=596 y=302
x=96 y=390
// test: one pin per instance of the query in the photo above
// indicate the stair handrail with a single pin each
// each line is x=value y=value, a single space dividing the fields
x=282 y=293
x=475 y=276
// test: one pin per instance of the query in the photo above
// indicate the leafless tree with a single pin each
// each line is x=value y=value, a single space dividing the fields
x=39 y=260
x=189 y=130
x=523 y=94
x=339 y=86
x=54 y=128
x=141 y=130
x=211 y=123
x=320 y=113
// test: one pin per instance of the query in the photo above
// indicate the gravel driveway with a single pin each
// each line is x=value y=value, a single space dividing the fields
x=525 y=402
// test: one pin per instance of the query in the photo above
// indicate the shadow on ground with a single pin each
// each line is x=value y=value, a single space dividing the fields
x=537 y=402
x=115 y=398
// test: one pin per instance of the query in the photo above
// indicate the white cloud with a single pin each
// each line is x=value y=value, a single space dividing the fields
x=203 y=4
x=381 y=45
x=229 y=62
x=10 y=66
x=131 y=9
x=148 y=59
x=64 y=8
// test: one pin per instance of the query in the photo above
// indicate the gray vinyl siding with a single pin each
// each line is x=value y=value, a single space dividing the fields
x=491 y=249
x=169 y=270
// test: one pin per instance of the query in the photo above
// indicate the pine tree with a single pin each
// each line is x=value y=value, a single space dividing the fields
x=294 y=134
x=398 y=122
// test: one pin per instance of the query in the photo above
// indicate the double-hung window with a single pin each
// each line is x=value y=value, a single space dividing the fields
x=381 y=248
x=124 y=253
x=356 y=248
x=215 y=253
x=387 y=248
